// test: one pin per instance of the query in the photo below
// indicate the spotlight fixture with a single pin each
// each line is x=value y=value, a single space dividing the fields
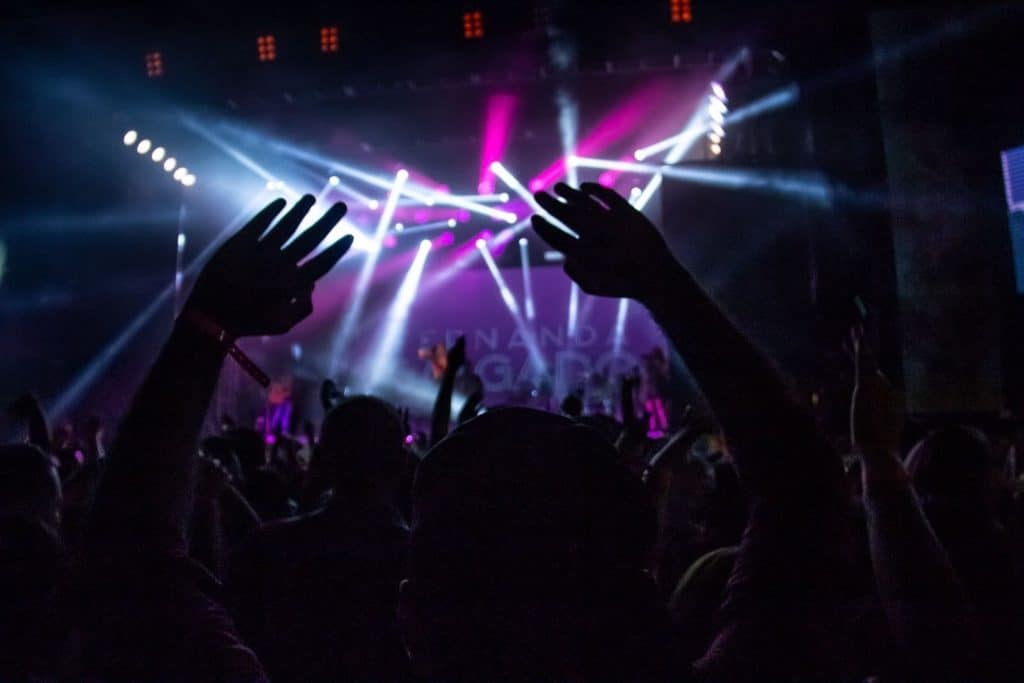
x=154 y=65
x=328 y=39
x=716 y=111
x=680 y=11
x=266 y=48
x=473 y=25
x=158 y=154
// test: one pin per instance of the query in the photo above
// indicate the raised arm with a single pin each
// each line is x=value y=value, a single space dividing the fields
x=620 y=253
x=251 y=286
x=924 y=603
x=773 y=610
x=442 y=415
x=145 y=606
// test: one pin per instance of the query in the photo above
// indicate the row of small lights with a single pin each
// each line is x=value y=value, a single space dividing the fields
x=680 y=12
x=717 y=109
x=159 y=156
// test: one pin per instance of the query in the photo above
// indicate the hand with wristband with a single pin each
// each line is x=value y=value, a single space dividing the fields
x=255 y=285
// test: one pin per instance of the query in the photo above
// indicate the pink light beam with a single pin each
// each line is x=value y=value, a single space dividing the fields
x=616 y=124
x=497 y=124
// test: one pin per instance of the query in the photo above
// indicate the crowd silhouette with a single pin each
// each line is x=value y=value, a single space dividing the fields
x=518 y=545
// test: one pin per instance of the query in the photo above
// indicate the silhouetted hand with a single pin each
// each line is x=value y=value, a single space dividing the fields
x=457 y=355
x=876 y=413
x=619 y=252
x=23 y=407
x=876 y=417
x=253 y=286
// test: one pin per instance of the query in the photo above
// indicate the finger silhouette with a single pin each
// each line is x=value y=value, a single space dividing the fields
x=287 y=226
x=568 y=213
x=609 y=197
x=319 y=265
x=572 y=195
x=556 y=239
x=259 y=223
x=306 y=242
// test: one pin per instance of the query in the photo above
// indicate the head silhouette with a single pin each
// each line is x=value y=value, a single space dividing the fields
x=362 y=447
x=952 y=465
x=29 y=484
x=529 y=542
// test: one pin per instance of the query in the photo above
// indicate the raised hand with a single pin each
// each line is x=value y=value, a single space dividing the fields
x=457 y=355
x=619 y=252
x=254 y=285
x=23 y=407
x=876 y=415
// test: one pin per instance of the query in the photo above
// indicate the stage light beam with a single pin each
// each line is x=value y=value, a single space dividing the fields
x=806 y=185
x=568 y=125
x=517 y=187
x=529 y=339
x=693 y=130
x=770 y=102
x=354 y=312
x=396 y=322
x=524 y=258
x=620 y=327
x=506 y=293
x=424 y=227
x=574 y=309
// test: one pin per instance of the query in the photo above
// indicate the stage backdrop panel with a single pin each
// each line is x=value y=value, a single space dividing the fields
x=498 y=343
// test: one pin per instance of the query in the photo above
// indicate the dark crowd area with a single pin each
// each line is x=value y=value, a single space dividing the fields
x=516 y=544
